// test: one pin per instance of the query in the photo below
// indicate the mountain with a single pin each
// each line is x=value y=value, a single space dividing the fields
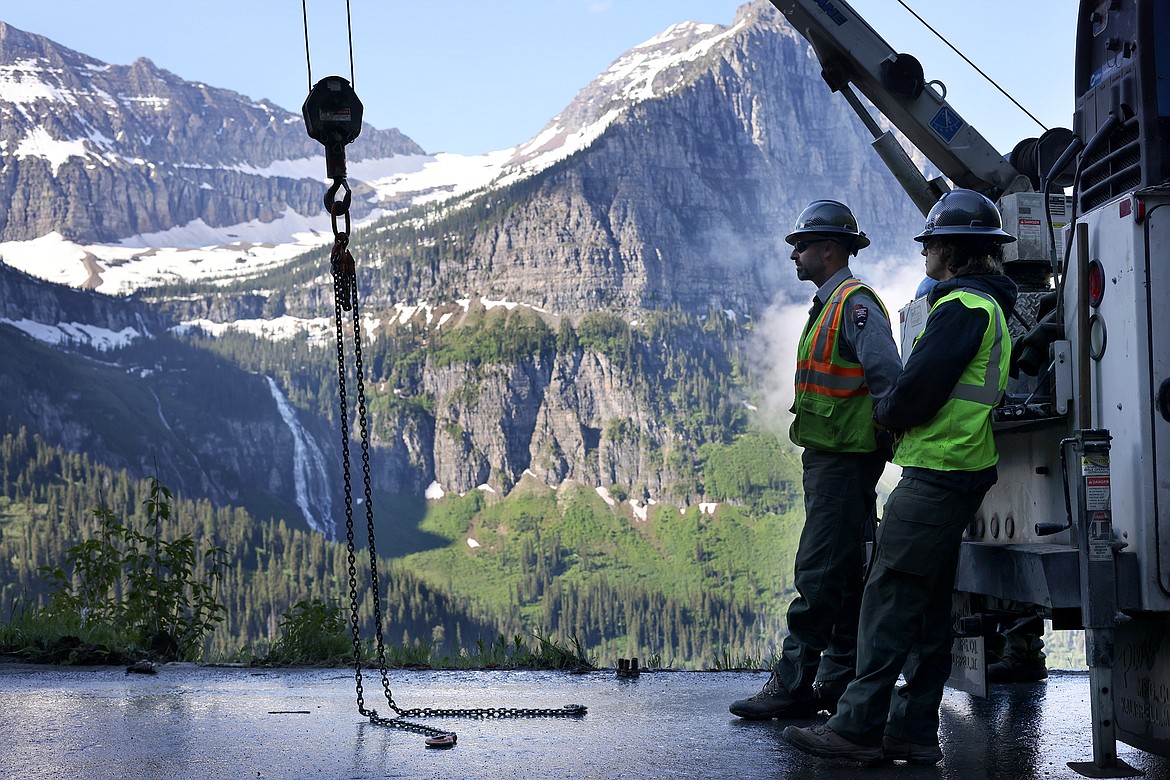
x=666 y=186
x=99 y=152
x=584 y=310
x=105 y=377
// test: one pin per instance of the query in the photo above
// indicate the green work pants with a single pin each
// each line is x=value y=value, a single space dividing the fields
x=839 y=498
x=906 y=620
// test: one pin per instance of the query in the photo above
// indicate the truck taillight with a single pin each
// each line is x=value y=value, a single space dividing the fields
x=1132 y=205
x=1096 y=283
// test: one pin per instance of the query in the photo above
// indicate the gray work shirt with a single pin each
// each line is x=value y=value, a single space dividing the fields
x=870 y=343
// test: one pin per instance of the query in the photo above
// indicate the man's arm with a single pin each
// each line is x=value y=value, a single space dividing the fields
x=868 y=334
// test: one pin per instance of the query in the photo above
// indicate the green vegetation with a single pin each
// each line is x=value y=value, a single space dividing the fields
x=46 y=508
x=497 y=336
x=312 y=632
x=562 y=566
x=686 y=586
x=753 y=469
x=609 y=335
x=132 y=593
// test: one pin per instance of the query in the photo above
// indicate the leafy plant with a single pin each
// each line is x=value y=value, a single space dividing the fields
x=312 y=632
x=147 y=589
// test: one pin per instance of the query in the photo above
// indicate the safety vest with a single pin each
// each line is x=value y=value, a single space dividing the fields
x=959 y=437
x=833 y=407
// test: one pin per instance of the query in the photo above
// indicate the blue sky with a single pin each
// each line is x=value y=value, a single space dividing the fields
x=473 y=77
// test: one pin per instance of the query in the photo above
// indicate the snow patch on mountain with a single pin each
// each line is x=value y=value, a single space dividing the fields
x=648 y=71
x=652 y=69
x=66 y=334
x=21 y=83
x=40 y=144
x=318 y=330
x=198 y=252
x=321 y=330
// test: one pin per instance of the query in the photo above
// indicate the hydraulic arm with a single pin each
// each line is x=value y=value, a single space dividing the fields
x=852 y=53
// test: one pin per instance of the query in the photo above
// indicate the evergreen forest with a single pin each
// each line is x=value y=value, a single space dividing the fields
x=686 y=588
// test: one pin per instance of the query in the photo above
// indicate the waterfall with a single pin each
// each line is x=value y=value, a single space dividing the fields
x=314 y=494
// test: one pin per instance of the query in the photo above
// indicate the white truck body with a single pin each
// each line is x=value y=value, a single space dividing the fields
x=1078 y=527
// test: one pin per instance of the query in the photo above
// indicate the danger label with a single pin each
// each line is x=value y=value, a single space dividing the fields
x=1096 y=493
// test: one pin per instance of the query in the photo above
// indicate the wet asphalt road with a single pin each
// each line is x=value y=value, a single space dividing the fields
x=193 y=722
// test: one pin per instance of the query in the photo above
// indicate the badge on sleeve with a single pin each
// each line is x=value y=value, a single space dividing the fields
x=860 y=315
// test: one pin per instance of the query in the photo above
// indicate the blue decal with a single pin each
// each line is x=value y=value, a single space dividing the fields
x=832 y=12
x=947 y=123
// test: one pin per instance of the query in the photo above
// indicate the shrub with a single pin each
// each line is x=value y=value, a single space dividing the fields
x=143 y=588
x=312 y=632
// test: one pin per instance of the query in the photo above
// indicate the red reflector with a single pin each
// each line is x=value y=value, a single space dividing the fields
x=1124 y=208
x=1096 y=283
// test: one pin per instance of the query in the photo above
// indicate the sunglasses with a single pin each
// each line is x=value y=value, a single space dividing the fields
x=800 y=246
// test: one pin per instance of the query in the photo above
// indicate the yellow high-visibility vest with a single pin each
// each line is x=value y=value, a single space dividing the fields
x=959 y=437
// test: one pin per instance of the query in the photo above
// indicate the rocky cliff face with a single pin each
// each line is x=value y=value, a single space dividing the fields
x=101 y=152
x=683 y=199
x=570 y=416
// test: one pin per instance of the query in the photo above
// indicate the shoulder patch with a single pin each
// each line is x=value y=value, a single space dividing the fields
x=860 y=314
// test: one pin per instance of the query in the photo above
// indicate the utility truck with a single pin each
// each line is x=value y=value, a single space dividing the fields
x=1077 y=530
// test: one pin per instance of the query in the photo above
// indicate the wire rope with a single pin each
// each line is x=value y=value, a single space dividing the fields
x=967 y=60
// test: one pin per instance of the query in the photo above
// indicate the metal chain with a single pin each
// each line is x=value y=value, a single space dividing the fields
x=346 y=299
x=335 y=133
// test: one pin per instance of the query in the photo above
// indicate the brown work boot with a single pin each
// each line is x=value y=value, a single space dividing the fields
x=898 y=749
x=773 y=701
x=823 y=741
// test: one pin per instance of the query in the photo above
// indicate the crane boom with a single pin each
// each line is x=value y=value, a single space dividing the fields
x=852 y=52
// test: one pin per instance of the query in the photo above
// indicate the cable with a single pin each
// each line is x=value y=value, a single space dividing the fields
x=349 y=33
x=308 y=62
x=990 y=80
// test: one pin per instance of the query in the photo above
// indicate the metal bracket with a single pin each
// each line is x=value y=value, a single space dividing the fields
x=1062 y=375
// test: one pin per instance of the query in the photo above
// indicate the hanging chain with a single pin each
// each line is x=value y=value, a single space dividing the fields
x=346 y=299
x=333 y=116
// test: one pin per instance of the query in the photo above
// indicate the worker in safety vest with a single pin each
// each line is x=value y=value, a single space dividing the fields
x=955 y=375
x=846 y=361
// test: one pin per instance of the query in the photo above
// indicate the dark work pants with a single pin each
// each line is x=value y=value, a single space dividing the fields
x=906 y=617
x=839 y=498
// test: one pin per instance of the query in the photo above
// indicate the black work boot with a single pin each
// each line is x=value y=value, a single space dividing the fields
x=823 y=741
x=774 y=701
x=898 y=749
